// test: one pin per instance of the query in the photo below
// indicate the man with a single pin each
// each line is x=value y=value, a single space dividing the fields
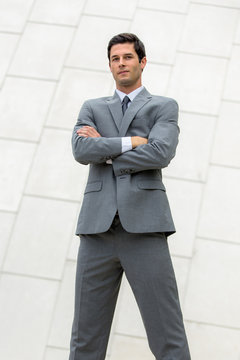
x=125 y=216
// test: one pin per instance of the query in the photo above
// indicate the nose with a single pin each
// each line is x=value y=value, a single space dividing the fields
x=121 y=61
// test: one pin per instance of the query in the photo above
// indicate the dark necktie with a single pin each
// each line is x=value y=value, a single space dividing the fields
x=125 y=102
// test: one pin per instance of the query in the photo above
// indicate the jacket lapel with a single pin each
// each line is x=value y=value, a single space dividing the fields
x=138 y=102
x=115 y=108
x=123 y=122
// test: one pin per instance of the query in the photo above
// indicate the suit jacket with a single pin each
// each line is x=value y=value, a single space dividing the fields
x=133 y=183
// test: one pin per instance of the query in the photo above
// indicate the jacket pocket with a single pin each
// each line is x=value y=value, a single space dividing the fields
x=151 y=185
x=93 y=186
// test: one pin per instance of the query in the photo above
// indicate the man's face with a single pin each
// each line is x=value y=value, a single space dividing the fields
x=125 y=67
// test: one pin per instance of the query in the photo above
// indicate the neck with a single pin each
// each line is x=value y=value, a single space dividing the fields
x=128 y=89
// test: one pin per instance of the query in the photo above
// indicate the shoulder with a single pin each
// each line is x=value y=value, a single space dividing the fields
x=160 y=100
x=164 y=100
x=165 y=106
x=97 y=101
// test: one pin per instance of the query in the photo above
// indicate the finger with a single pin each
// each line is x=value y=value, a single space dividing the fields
x=86 y=127
x=89 y=133
x=94 y=132
x=86 y=130
x=82 y=133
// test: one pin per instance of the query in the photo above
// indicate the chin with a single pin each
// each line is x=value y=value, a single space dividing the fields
x=125 y=82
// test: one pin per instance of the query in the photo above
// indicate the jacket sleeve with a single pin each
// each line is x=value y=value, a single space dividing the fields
x=161 y=146
x=93 y=150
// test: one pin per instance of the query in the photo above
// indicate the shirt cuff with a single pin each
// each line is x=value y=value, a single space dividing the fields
x=126 y=143
x=126 y=146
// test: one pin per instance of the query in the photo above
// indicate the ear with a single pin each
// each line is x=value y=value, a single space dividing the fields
x=143 y=62
x=109 y=64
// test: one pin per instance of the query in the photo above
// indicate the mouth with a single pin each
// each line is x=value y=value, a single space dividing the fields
x=123 y=72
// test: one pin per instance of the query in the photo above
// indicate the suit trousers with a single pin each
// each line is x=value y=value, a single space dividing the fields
x=146 y=261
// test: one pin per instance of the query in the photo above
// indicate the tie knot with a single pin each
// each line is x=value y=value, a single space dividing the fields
x=126 y=100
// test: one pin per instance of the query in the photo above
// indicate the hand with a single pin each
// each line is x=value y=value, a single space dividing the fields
x=138 y=140
x=88 y=131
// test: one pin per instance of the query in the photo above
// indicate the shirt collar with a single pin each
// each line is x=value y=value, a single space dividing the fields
x=131 y=95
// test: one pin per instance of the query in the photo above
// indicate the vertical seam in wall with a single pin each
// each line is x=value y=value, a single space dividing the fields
x=176 y=51
x=20 y=34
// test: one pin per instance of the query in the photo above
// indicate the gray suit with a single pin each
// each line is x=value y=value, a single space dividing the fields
x=134 y=241
x=133 y=184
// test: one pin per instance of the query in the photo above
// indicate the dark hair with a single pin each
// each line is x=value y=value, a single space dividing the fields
x=128 y=38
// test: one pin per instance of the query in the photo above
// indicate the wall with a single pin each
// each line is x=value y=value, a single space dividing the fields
x=53 y=56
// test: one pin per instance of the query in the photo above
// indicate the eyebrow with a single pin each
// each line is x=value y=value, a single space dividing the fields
x=113 y=56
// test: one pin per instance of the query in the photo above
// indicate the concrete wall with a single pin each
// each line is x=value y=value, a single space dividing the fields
x=52 y=57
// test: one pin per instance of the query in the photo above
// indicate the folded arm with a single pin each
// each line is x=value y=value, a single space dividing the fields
x=161 y=146
x=92 y=149
x=155 y=152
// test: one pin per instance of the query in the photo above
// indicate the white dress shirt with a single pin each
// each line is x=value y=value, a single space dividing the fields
x=126 y=141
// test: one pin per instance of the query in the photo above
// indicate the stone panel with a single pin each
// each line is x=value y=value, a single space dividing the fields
x=156 y=78
x=185 y=199
x=74 y=88
x=57 y=11
x=8 y=44
x=225 y=3
x=197 y=83
x=15 y=161
x=26 y=307
x=128 y=318
x=181 y=268
x=13 y=14
x=173 y=5
x=219 y=217
x=86 y=52
x=209 y=30
x=124 y=9
x=226 y=148
x=219 y=343
x=194 y=148
x=130 y=348
x=232 y=86
x=74 y=246
x=167 y=27
x=41 y=51
x=63 y=312
x=237 y=36
x=55 y=173
x=6 y=224
x=213 y=295
x=23 y=107
x=56 y=354
x=41 y=238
